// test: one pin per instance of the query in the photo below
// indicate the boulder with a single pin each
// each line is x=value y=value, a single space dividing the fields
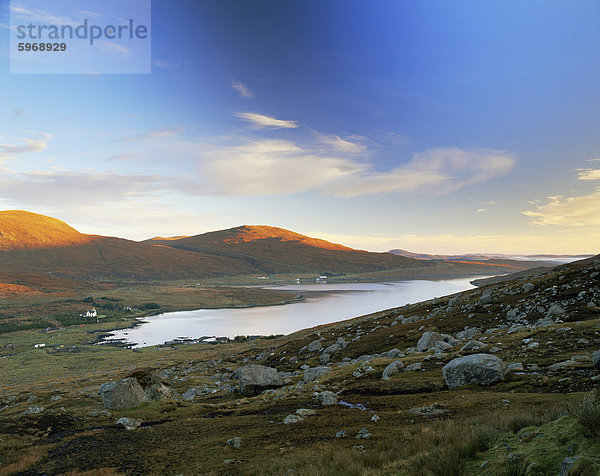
x=129 y=423
x=528 y=287
x=332 y=349
x=555 y=310
x=391 y=369
x=253 y=379
x=473 y=345
x=126 y=393
x=482 y=369
x=596 y=358
x=315 y=346
x=428 y=340
x=327 y=398
x=312 y=374
x=292 y=419
x=324 y=358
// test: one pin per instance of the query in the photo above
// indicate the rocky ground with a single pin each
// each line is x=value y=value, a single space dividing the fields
x=486 y=381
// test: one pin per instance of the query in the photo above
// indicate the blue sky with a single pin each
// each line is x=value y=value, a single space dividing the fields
x=431 y=126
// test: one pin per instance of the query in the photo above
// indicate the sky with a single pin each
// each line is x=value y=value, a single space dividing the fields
x=431 y=126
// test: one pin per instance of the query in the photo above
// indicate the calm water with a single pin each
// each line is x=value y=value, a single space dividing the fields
x=323 y=303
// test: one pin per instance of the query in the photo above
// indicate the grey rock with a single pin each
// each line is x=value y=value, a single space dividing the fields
x=327 y=398
x=33 y=410
x=562 y=365
x=292 y=419
x=528 y=287
x=253 y=379
x=482 y=369
x=315 y=346
x=468 y=333
x=394 y=353
x=304 y=412
x=341 y=434
x=332 y=349
x=441 y=347
x=324 y=358
x=567 y=465
x=431 y=410
x=129 y=423
x=515 y=367
x=555 y=310
x=473 y=345
x=375 y=418
x=429 y=339
x=363 y=433
x=391 y=369
x=55 y=398
x=545 y=322
x=126 y=393
x=413 y=367
x=596 y=358
x=312 y=374
x=236 y=442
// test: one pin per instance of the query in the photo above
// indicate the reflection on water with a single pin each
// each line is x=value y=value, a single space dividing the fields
x=323 y=303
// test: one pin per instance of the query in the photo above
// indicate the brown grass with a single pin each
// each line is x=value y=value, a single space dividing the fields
x=26 y=458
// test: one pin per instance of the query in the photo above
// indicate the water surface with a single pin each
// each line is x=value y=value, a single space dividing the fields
x=323 y=303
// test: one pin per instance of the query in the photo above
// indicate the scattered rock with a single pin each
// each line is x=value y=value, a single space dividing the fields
x=555 y=310
x=312 y=374
x=391 y=369
x=128 y=423
x=566 y=465
x=324 y=358
x=363 y=433
x=413 y=367
x=428 y=340
x=292 y=419
x=341 y=434
x=482 y=369
x=253 y=379
x=596 y=358
x=375 y=418
x=126 y=393
x=473 y=345
x=428 y=411
x=304 y=412
x=236 y=442
x=33 y=410
x=315 y=346
x=528 y=287
x=327 y=398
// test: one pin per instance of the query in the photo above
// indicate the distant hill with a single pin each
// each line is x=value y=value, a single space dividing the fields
x=550 y=259
x=276 y=250
x=36 y=244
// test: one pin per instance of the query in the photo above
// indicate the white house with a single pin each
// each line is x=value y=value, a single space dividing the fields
x=90 y=313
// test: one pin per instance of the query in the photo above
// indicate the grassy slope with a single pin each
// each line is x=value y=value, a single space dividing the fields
x=183 y=437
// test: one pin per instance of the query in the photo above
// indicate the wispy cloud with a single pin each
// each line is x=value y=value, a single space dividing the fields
x=242 y=89
x=164 y=133
x=588 y=174
x=165 y=64
x=579 y=211
x=27 y=144
x=39 y=15
x=260 y=121
x=279 y=167
x=345 y=146
x=121 y=157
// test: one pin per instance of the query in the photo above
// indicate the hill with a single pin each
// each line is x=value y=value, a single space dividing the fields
x=364 y=396
x=31 y=243
x=276 y=250
x=25 y=230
